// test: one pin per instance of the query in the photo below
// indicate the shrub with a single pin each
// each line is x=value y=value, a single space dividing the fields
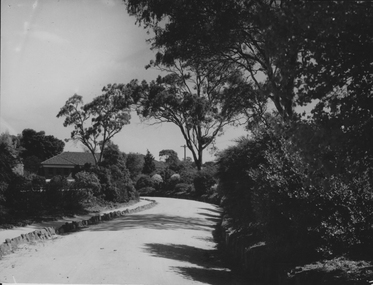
x=157 y=178
x=13 y=193
x=166 y=174
x=132 y=193
x=37 y=182
x=3 y=187
x=135 y=164
x=147 y=191
x=204 y=180
x=183 y=187
x=175 y=178
x=54 y=190
x=116 y=193
x=144 y=181
x=89 y=182
x=187 y=172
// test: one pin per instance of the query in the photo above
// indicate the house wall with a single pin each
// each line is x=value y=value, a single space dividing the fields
x=49 y=172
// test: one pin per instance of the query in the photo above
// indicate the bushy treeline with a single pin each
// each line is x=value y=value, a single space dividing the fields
x=181 y=179
x=109 y=181
x=302 y=188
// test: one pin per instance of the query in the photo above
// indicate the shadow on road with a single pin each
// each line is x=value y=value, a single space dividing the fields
x=154 y=221
x=210 y=270
x=217 y=211
x=213 y=218
x=186 y=253
x=209 y=275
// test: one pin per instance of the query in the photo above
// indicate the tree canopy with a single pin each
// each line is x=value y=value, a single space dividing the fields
x=293 y=51
x=135 y=164
x=198 y=97
x=40 y=145
x=95 y=123
x=149 y=165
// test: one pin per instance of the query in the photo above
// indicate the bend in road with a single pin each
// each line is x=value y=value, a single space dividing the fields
x=171 y=243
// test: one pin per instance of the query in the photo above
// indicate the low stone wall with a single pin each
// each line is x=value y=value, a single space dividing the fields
x=10 y=245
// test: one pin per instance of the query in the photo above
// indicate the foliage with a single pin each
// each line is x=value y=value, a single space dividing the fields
x=166 y=174
x=157 y=178
x=88 y=181
x=200 y=98
x=8 y=161
x=135 y=164
x=288 y=187
x=284 y=46
x=171 y=158
x=115 y=185
x=147 y=191
x=113 y=156
x=187 y=171
x=32 y=164
x=184 y=187
x=54 y=190
x=204 y=180
x=149 y=165
x=3 y=187
x=114 y=176
x=175 y=177
x=39 y=145
x=95 y=123
x=144 y=181
x=37 y=182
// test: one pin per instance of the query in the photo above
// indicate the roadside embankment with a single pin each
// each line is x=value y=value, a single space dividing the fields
x=55 y=228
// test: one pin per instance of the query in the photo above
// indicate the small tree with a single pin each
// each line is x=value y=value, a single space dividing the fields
x=38 y=145
x=135 y=164
x=97 y=122
x=172 y=160
x=149 y=165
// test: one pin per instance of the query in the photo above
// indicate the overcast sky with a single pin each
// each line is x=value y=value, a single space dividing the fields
x=51 y=49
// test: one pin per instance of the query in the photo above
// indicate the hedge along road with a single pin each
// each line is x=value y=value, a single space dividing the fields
x=170 y=243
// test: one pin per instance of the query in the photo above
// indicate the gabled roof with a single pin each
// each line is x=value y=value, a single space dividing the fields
x=71 y=158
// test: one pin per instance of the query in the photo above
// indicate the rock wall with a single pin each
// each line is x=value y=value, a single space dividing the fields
x=10 y=245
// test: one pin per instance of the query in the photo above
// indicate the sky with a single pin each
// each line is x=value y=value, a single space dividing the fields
x=52 y=49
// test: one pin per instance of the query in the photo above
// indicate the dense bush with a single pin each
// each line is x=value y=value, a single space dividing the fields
x=89 y=182
x=204 y=180
x=37 y=182
x=147 y=191
x=114 y=183
x=54 y=190
x=183 y=187
x=13 y=193
x=3 y=187
x=187 y=172
x=144 y=181
x=285 y=186
x=135 y=164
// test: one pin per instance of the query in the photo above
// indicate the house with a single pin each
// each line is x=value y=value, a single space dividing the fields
x=64 y=163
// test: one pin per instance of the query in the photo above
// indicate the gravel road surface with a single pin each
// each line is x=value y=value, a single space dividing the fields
x=169 y=244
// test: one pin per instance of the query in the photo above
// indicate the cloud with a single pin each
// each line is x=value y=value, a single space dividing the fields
x=48 y=37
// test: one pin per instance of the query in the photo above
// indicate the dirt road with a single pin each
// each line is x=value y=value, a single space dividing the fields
x=168 y=244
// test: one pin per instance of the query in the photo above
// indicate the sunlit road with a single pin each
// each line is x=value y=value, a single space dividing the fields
x=168 y=244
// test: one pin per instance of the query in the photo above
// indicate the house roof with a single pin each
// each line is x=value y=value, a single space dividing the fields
x=71 y=158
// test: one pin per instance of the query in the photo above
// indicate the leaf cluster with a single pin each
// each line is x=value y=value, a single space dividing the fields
x=95 y=123
x=293 y=51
